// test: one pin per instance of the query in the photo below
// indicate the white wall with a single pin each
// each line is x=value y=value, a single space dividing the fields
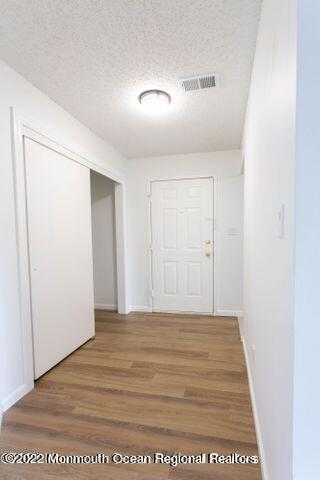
x=103 y=242
x=32 y=104
x=140 y=171
x=307 y=250
x=269 y=150
x=229 y=246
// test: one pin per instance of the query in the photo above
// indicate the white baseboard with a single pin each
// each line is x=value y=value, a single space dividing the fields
x=262 y=456
x=138 y=308
x=105 y=306
x=184 y=312
x=15 y=396
x=229 y=313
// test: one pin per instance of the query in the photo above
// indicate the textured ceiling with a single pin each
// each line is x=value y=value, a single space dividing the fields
x=93 y=57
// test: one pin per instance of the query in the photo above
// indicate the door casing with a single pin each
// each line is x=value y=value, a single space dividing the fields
x=20 y=128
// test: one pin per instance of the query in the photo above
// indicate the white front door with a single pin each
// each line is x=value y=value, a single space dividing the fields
x=182 y=245
x=61 y=277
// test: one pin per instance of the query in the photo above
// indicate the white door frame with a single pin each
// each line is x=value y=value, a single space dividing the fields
x=20 y=128
x=184 y=177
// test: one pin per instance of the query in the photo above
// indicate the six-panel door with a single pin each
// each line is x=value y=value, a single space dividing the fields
x=182 y=245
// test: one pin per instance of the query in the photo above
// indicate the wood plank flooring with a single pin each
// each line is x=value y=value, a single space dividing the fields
x=146 y=383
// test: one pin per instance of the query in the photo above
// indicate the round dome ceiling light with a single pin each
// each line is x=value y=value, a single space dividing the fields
x=154 y=101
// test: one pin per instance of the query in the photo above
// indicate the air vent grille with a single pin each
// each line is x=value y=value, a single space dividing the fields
x=207 y=82
x=191 y=84
x=198 y=83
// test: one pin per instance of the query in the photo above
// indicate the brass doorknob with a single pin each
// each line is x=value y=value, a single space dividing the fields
x=207 y=242
x=208 y=254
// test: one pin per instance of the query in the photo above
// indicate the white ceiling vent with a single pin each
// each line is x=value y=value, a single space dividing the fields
x=199 y=83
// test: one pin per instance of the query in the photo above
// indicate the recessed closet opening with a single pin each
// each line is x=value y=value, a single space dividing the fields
x=104 y=242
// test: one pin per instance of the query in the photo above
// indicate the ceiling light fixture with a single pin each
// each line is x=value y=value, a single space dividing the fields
x=154 y=101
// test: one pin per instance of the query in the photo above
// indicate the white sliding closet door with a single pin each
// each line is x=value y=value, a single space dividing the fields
x=60 y=249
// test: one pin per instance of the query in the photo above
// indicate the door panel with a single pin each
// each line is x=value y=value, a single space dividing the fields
x=60 y=249
x=194 y=278
x=170 y=278
x=182 y=223
x=169 y=228
x=193 y=233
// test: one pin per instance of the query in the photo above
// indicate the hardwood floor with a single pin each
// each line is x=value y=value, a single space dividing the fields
x=146 y=383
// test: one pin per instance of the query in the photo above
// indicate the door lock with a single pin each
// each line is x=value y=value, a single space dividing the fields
x=207 y=242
